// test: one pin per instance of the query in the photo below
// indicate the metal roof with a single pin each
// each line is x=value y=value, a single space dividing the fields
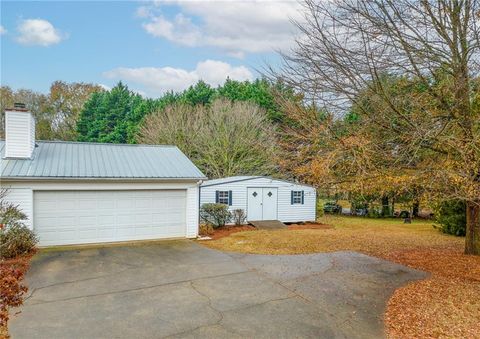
x=229 y=179
x=78 y=160
x=238 y=178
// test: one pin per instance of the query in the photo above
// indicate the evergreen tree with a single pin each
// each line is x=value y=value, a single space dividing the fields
x=112 y=116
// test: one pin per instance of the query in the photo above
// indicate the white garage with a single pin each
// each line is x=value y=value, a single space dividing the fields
x=81 y=193
x=79 y=217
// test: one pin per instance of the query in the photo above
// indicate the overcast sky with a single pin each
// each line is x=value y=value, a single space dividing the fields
x=151 y=46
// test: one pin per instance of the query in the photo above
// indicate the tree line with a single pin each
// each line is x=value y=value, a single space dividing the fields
x=226 y=130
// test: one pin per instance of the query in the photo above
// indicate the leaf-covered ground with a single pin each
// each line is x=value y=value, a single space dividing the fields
x=447 y=304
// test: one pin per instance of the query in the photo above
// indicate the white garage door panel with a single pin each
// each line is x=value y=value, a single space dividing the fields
x=79 y=217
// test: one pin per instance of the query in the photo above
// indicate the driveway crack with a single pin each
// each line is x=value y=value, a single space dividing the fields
x=34 y=290
x=134 y=289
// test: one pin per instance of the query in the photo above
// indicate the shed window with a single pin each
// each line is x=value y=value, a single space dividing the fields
x=297 y=197
x=224 y=197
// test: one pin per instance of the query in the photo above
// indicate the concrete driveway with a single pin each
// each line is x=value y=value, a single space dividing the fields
x=184 y=290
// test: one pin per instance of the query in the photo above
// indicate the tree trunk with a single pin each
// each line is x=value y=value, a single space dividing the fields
x=415 y=208
x=472 y=240
x=385 y=206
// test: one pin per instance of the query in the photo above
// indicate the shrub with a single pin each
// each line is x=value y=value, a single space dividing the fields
x=374 y=213
x=216 y=215
x=239 y=216
x=10 y=214
x=16 y=240
x=451 y=216
x=332 y=207
x=205 y=229
x=11 y=289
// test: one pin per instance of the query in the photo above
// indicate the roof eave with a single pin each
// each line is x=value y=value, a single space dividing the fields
x=255 y=177
x=14 y=178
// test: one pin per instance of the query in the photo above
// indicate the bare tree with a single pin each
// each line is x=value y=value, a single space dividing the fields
x=352 y=49
x=223 y=139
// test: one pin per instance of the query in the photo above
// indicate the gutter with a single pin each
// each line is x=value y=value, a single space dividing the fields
x=123 y=179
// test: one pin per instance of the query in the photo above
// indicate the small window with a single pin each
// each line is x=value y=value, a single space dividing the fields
x=223 y=197
x=296 y=197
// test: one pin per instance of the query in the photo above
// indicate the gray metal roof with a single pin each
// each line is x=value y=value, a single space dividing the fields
x=238 y=178
x=77 y=160
x=230 y=179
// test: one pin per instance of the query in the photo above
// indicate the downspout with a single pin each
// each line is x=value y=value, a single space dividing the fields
x=199 y=183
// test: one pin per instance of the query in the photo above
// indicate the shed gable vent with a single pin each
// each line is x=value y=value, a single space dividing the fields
x=19 y=132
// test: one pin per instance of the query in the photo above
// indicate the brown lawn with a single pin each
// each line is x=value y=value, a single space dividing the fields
x=447 y=304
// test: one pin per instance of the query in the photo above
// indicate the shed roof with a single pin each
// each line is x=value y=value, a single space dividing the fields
x=79 y=160
x=227 y=180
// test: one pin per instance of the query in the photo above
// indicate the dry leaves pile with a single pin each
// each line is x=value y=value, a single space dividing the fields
x=447 y=304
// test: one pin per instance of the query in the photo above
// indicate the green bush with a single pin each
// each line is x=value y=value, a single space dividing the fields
x=451 y=216
x=16 y=240
x=216 y=215
x=374 y=213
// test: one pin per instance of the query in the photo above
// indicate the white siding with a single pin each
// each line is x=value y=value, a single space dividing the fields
x=286 y=211
x=19 y=134
x=23 y=197
x=192 y=212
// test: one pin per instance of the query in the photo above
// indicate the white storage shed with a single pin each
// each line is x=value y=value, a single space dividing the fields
x=262 y=198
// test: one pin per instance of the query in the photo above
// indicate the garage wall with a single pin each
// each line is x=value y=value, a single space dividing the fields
x=192 y=212
x=21 y=193
x=23 y=197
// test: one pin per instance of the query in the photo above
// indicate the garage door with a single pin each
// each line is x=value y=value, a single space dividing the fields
x=80 y=217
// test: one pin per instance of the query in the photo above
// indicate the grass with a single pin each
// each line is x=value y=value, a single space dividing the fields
x=378 y=237
x=447 y=304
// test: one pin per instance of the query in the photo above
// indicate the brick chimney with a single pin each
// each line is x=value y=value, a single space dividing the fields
x=19 y=132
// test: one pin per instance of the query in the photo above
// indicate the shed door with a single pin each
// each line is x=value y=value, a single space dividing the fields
x=79 y=217
x=269 y=204
x=262 y=203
